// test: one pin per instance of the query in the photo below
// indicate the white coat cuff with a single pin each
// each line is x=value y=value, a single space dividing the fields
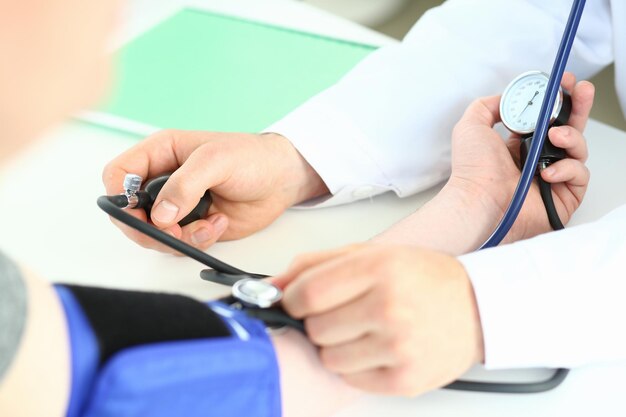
x=510 y=308
x=331 y=144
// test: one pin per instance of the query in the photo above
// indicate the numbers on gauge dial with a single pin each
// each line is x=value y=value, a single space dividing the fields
x=523 y=102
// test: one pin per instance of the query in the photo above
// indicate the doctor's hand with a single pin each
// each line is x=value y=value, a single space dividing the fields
x=486 y=167
x=252 y=178
x=393 y=320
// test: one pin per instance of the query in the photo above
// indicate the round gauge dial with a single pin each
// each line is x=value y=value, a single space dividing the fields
x=522 y=99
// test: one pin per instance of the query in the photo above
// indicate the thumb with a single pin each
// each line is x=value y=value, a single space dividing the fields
x=187 y=185
x=484 y=111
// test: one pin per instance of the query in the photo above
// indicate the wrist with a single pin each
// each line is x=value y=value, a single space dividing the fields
x=472 y=214
x=297 y=178
x=481 y=206
x=455 y=221
x=492 y=202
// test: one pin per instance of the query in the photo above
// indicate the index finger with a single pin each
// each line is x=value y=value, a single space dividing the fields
x=306 y=261
x=329 y=285
x=157 y=154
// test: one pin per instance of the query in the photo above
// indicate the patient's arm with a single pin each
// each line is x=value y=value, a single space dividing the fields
x=308 y=389
x=38 y=380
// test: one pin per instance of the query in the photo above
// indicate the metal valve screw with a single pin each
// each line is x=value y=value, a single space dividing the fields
x=132 y=184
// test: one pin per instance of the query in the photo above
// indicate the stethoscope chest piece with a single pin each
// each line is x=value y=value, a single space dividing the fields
x=258 y=298
x=256 y=293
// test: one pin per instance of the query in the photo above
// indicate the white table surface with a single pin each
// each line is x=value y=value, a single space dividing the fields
x=50 y=222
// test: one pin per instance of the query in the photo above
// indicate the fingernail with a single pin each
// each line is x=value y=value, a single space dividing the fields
x=219 y=223
x=564 y=131
x=200 y=236
x=165 y=212
x=549 y=171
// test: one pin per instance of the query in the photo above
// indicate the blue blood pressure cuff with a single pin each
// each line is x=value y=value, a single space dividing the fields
x=158 y=355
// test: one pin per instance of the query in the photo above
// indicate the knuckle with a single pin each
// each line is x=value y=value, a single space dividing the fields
x=142 y=240
x=479 y=107
x=380 y=269
x=573 y=167
x=201 y=246
x=315 y=330
x=390 y=292
x=355 y=247
x=388 y=266
x=460 y=128
x=389 y=313
x=400 y=349
x=476 y=104
x=308 y=296
x=400 y=383
x=299 y=260
x=108 y=172
x=396 y=260
x=578 y=139
x=209 y=148
x=164 y=135
x=391 y=289
x=329 y=359
x=177 y=189
x=405 y=383
x=584 y=169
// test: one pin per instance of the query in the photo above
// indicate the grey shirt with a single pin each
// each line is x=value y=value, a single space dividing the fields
x=12 y=311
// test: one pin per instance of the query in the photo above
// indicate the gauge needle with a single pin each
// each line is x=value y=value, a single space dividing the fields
x=530 y=103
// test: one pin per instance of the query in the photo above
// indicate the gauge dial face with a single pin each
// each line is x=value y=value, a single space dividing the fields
x=522 y=99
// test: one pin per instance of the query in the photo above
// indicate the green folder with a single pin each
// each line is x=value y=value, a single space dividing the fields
x=206 y=71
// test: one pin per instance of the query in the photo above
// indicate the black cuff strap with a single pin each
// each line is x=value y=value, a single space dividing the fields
x=122 y=319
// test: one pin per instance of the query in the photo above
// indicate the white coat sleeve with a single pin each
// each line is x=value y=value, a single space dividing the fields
x=386 y=125
x=558 y=300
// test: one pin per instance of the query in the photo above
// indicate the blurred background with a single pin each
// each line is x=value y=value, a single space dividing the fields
x=395 y=18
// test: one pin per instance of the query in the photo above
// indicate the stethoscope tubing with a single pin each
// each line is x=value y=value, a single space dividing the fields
x=113 y=206
x=543 y=122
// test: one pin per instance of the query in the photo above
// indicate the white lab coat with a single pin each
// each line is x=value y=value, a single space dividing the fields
x=387 y=124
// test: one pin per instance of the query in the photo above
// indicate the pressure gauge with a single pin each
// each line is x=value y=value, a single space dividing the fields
x=522 y=99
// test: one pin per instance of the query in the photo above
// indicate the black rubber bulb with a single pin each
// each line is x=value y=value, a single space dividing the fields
x=549 y=154
x=200 y=211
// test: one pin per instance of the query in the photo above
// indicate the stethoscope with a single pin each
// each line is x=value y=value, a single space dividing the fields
x=261 y=299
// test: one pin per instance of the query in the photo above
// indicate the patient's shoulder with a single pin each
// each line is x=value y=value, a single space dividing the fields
x=12 y=310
